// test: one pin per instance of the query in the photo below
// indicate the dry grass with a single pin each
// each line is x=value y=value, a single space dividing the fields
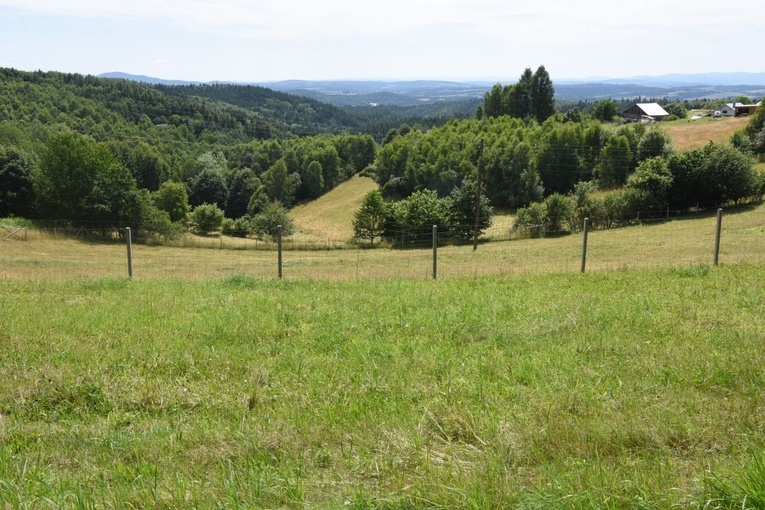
x=692 y=134
x=331 y=215
x=652 y=245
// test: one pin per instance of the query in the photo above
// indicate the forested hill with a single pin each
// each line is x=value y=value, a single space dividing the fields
x=222 y=114
x=306 y=115
x=295 y=113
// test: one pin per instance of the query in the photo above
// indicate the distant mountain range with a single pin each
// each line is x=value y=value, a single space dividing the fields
x=404 y=93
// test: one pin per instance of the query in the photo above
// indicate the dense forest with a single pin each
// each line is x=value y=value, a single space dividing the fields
x=84 y=149
x=162 y=158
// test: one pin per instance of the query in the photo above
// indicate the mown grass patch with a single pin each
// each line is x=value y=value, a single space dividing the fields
x=690 y=134
x=624 y=389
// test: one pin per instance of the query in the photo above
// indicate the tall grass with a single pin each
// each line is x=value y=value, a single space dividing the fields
x=624 y=389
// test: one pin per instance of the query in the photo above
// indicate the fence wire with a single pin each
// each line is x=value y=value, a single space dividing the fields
x=56 y=251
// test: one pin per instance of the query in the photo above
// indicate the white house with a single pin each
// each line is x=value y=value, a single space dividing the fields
x=739 y=109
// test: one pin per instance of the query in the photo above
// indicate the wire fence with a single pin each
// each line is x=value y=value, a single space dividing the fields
x=60 y=251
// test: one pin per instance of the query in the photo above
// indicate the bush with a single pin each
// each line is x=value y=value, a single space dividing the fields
x=558 y=212
x=652 y=180
x=411 y=220
x=207 y=218
x=462 y=201
x=156 y=223
x=585 y=206
x=266 y=223
x=240 y=227
x=530 y=220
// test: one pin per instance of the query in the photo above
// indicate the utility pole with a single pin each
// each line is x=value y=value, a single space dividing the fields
x=478 y=196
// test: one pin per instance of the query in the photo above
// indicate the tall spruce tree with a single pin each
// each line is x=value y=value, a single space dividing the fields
x=542 y=95
x=532 y=96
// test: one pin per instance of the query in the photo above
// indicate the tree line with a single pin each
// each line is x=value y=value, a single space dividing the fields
x=83 y=149
x=565 y=168
x=76 y=179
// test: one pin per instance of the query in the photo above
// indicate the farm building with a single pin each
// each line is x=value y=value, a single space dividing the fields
x=739 y=109
x=641 y=111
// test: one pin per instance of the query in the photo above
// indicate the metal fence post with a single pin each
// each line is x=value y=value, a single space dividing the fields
x=717 y=236
x=435 y=251
x=129 y=237
x=584 y=243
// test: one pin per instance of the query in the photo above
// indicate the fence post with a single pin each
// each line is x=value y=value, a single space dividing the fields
x=717 y=235
x=435 y=251
x=129 y=237
x=279 y=248
x=584 y=243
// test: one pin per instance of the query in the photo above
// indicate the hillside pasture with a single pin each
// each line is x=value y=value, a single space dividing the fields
x=654 y=244
x=331 y=215
x=618 y=389
x=690 y=134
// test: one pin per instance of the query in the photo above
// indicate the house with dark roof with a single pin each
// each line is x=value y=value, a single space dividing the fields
x=645 y=111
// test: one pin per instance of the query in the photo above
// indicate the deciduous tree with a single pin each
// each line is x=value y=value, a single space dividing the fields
x=16 y=190
x=172 y=198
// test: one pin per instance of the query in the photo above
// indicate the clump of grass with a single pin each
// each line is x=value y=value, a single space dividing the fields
x=240 y=280
x=744 y=490
x=694 y=271
x=53 y=400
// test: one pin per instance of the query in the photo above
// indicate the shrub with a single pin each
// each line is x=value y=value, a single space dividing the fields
x=412 y=219
x=156 y=224
x=266 y=222
x=207 y=218
x=240 y=227
x=172 y=198
x=558 y=212
x=530 y=220
x=584 y=205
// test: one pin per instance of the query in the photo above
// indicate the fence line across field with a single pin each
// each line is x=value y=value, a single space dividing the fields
x=103 y=253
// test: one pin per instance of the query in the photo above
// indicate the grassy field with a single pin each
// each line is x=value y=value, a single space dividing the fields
x=358 y=382
x=331 y=215
x=689 y=134
x=674 y=243
x=620 y=389
x=513 y=381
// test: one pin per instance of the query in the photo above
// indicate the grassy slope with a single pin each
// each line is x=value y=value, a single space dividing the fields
x=332 y=214
x=610 y=390
x=692 y=134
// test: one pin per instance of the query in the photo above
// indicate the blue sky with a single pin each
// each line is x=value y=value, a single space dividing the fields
x=268 y=40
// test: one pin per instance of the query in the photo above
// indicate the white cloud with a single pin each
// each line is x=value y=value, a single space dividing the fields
x=393 y=38
x=306 y=19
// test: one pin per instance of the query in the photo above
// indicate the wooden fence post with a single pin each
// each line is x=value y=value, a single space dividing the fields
x=717 y=236
x=279 y=248
x=584 y=243
x=129 y=237
x=435 y=251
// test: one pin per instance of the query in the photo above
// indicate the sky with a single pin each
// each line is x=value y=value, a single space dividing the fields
x=463 y=40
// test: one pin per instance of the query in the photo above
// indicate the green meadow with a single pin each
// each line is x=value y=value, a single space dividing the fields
x=639 y=388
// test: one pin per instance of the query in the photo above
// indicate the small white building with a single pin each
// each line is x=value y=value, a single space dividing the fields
x=739 y=109
x=729 y=110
